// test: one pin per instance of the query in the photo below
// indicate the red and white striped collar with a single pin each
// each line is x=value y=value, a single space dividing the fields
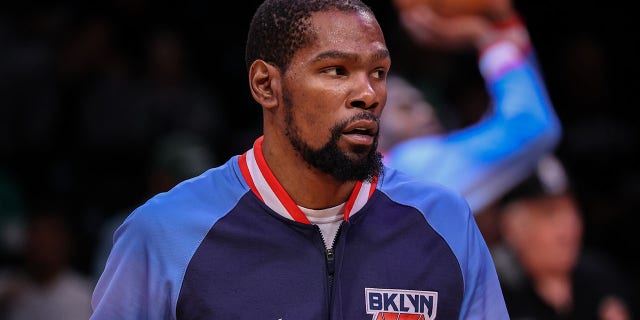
x=265 y=186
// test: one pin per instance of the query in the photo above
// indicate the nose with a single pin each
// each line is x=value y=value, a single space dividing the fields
x=364 y=94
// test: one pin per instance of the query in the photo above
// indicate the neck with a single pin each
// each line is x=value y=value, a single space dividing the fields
x=306 y=185
x=556 y=291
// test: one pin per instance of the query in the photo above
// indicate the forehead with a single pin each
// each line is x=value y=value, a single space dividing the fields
x=356 y=32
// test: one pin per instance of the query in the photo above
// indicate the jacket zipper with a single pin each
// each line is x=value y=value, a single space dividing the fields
x=330 y=260
x=331 y=268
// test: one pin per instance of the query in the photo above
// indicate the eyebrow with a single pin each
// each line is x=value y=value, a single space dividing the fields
x=334 y=54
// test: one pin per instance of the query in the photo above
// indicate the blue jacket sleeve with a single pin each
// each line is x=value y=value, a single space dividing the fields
x=483 y=297
x=488 y=158
x=133 y=285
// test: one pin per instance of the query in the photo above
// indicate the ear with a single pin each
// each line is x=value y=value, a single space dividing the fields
x=265 y=83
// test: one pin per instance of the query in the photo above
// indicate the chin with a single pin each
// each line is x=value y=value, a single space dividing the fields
x=360 y=151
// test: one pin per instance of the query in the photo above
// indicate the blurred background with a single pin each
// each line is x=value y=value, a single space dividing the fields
x=104 y=103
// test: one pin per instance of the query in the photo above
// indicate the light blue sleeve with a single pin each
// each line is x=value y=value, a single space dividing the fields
x=490 y=157
x=136 y=282
x=152 y=248
x=483 y=297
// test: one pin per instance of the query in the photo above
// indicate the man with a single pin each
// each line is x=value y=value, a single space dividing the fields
x=307 y=224
x=545 y=269
x=485 y=160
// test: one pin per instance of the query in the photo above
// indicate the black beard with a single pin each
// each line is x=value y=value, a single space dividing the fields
x=330 y=159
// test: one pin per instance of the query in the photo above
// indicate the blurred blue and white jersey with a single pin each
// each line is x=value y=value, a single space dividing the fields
x=485 y=160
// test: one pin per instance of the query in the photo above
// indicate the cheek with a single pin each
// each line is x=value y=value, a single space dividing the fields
x=535 y=251
x=548 y=245
x=316 y=125
x=310 y=124
x=314 y=111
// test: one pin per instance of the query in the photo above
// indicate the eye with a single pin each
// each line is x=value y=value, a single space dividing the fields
x=379 y=74
x=335 y=71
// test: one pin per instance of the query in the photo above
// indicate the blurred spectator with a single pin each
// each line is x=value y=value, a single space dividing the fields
x=45 y=285
x=545 y=270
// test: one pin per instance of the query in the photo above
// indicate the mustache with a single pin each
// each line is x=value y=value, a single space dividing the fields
x=337 y=130
x=360 y=116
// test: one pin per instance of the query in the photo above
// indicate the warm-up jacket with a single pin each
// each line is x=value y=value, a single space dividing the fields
x=228 y=245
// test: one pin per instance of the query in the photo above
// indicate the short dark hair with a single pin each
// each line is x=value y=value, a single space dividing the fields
x=281 y=27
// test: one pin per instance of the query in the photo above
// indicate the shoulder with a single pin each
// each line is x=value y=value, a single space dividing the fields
x=430 y=198
x=444 y=209
x=207 y=196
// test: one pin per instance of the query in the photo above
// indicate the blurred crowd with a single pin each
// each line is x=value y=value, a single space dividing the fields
x=105 y=103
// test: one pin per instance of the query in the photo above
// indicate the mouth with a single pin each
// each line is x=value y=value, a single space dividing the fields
x=361 y=131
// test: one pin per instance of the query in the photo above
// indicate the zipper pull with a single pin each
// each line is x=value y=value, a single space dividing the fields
x=330 y=268
x=330 y=261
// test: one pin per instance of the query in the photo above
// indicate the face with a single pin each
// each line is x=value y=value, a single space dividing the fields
x=546 y=233
x=407 y=114
x=333 y=95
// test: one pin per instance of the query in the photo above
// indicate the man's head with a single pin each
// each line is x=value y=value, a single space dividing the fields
x=318 y=68
x=541 y=221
